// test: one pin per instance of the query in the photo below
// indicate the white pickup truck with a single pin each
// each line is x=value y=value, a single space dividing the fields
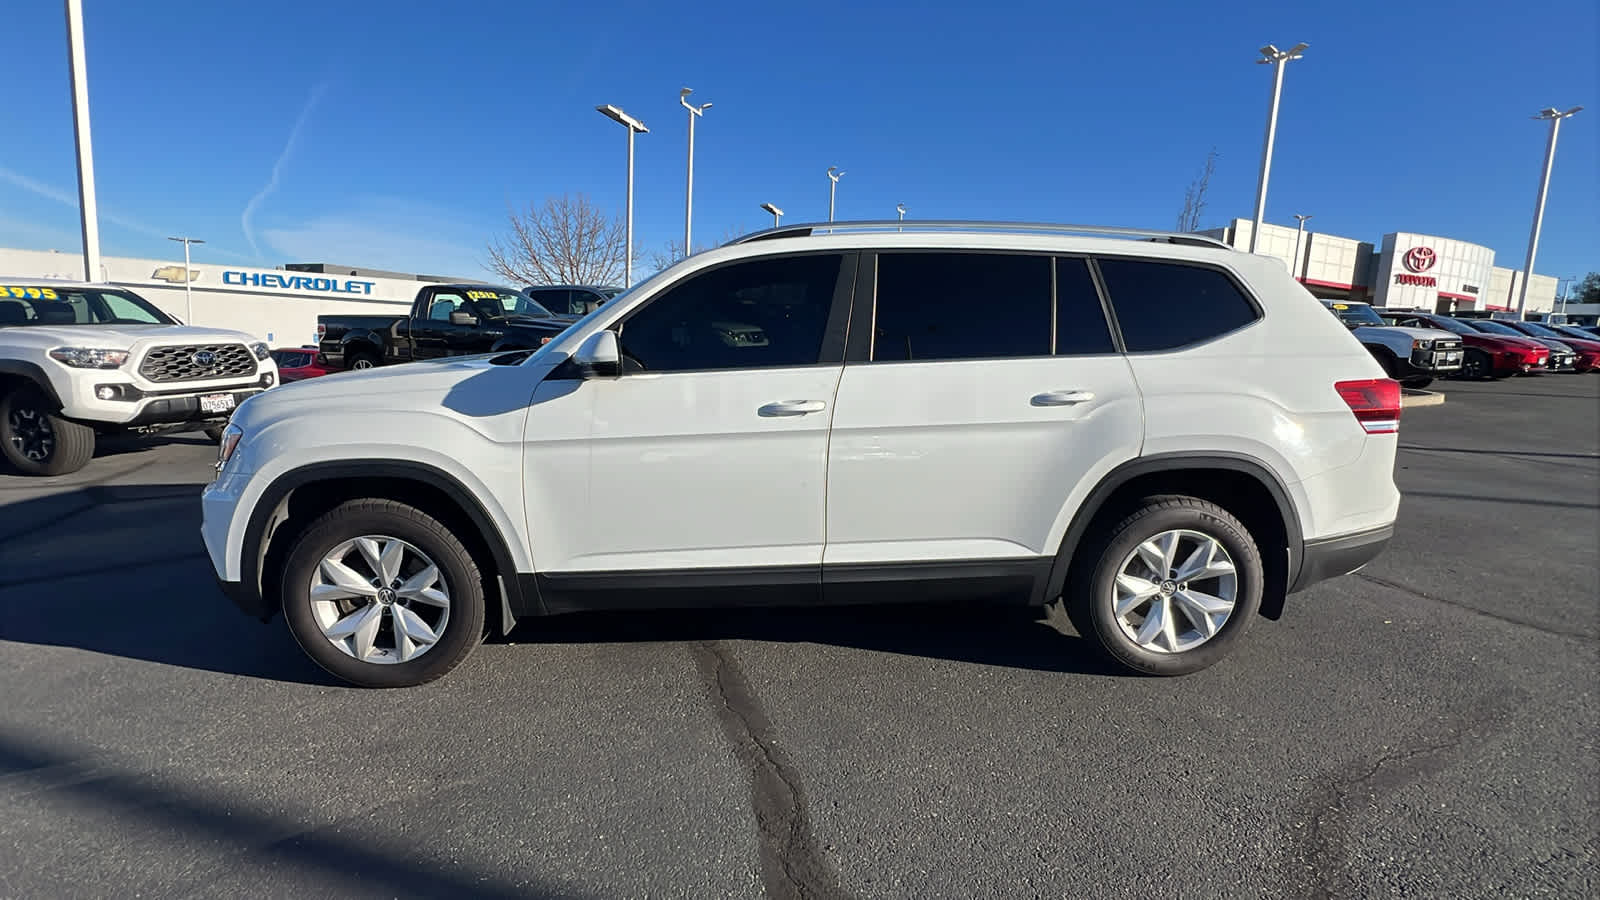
x=1412 y=356
x=79 y=359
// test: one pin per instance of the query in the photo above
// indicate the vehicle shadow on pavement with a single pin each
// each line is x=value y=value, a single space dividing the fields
x=121 y=570
x=1006 y=636
x=317 y=858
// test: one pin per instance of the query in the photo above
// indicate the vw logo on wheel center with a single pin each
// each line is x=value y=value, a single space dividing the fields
x=205 y=359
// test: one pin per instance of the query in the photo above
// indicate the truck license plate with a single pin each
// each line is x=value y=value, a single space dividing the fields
x=216 y=403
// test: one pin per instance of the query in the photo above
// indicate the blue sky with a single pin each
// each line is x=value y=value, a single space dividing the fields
x=395 y=134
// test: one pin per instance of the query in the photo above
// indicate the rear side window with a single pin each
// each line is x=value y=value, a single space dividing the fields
x=1162 y=306
x=936 y=306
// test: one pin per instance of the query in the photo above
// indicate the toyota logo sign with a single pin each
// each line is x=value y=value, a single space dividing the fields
x=1420 y=259
x=205 y=359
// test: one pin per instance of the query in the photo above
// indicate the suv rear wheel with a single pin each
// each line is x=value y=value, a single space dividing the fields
x=35 y=438
x=1171 y=588
x=381 y=594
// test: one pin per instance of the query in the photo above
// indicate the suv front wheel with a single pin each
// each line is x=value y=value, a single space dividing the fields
x=381 y=594
x=35 y=438
x=1171 y=588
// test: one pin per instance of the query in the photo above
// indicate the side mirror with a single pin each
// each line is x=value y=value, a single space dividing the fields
x=463 y=318
x=599 y=356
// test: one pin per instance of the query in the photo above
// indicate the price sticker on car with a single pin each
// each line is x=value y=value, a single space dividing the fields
x=483 y=295
x=28 y=293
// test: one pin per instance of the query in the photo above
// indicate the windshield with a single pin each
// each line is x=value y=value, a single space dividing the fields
x=499 y=303
x=1495 y=327
x=1569 y=331
x=39 y=305
x=293 y=359
x=1540 y=330
x=1456 y=325
x=1356 y=314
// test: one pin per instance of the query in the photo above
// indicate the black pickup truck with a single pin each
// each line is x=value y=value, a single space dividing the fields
x=445 y=320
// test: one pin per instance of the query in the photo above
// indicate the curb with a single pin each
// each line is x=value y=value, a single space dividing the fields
x=1411 y=398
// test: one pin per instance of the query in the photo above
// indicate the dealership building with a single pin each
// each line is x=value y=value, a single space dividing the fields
x=279 y=306
x=1413 y=271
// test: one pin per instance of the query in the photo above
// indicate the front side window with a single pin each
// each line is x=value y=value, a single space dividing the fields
x=442 y=306
x=759 y=314
x=938 y=306
x=1164 y=306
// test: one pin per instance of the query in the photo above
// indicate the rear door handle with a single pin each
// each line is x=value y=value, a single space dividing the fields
x=792 y=408
x=1062 y=398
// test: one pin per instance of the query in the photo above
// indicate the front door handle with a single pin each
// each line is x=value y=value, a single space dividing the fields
x=792 y=408
x=1062 y=398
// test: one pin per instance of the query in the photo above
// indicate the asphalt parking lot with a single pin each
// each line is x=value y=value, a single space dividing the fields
x=1426 y=727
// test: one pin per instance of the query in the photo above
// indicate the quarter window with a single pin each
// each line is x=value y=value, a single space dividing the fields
x=1162 y=306
x=936 y=306
x=759 y=314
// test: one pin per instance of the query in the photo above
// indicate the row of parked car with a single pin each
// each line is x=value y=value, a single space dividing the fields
x=1417 y=346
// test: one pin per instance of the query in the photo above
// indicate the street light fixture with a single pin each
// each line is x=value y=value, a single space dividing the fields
x=695 y=112
x=1297 y=235
x=1554 y=117
x=1276 y=58
x=776 y=213
x=901 y=209
x=834 y=174
x=188 y=296
x=634 y=126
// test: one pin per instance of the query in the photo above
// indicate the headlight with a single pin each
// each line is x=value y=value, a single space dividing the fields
x=1422 y=345
x=230 y=442
x=259 y=349
x=89 y=357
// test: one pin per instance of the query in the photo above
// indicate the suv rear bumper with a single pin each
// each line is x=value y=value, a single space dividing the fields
x=1335 y=556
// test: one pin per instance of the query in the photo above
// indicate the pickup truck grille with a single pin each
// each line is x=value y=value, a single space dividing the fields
x=198 y=362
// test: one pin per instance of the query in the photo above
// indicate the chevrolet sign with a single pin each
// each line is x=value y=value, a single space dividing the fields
x=297 y=282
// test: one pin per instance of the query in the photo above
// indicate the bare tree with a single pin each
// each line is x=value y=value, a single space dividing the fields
x=568 y=240
x=1194 y=199
x=672 y=251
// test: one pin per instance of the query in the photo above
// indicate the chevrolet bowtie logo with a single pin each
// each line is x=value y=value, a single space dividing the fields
x=174 y=274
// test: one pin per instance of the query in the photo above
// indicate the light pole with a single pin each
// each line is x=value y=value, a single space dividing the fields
x=1297 y=236
x=1554 y=118
x=188 y=296
x=634 y=126
x=695 y=112
x=834 y=174
x=1564 y=289
x=88 y=212
x=1272 y=56
x=776 y=213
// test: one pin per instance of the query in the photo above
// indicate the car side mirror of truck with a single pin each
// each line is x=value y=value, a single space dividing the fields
x=463 y=318
x=599 y=356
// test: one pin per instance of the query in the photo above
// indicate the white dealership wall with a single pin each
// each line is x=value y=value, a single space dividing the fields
x=277 y=306
x=1505 y=283
x=1421 y=270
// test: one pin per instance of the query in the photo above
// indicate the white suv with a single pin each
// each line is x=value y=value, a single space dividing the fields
x=80 y=359
x=1162 y=434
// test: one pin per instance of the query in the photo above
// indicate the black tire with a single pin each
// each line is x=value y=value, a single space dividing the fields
x=459 y=573
x=356 y=360
x=214 y=432
x=1417 y=383
x=1091 y=600
x=36 y=440
x=1475 y=365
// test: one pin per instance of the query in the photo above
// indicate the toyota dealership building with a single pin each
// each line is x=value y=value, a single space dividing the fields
x=1414 y=271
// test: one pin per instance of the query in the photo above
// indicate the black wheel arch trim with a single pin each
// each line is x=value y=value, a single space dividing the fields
x=515 y=597
x=1168 y=462
x=33 y=373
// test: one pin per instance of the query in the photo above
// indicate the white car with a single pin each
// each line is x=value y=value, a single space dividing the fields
x=1016 y=414
x=78 y=359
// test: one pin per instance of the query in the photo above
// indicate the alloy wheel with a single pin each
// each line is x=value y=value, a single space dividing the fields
x=1175 y=591
x=31 y=433
x=380 y=599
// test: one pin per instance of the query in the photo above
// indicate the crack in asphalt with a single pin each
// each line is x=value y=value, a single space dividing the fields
x=1324 y=844
x=792 y=866
x=1509 y=620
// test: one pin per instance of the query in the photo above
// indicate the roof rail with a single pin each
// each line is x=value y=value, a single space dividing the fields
x=880 y=225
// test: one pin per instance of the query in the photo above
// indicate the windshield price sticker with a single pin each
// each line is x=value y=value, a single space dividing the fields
x=28 y=293
x=483 y=295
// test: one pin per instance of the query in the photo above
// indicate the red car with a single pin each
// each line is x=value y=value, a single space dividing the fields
x=298 y=363
x=1488 y=355
x=1588 y=349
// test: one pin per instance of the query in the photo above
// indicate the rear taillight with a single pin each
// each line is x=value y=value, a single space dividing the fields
x=1375 y=401
x=321 y=329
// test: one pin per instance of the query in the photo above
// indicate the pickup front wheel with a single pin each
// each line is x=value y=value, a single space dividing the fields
x=36 y=440
x=381 y=594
